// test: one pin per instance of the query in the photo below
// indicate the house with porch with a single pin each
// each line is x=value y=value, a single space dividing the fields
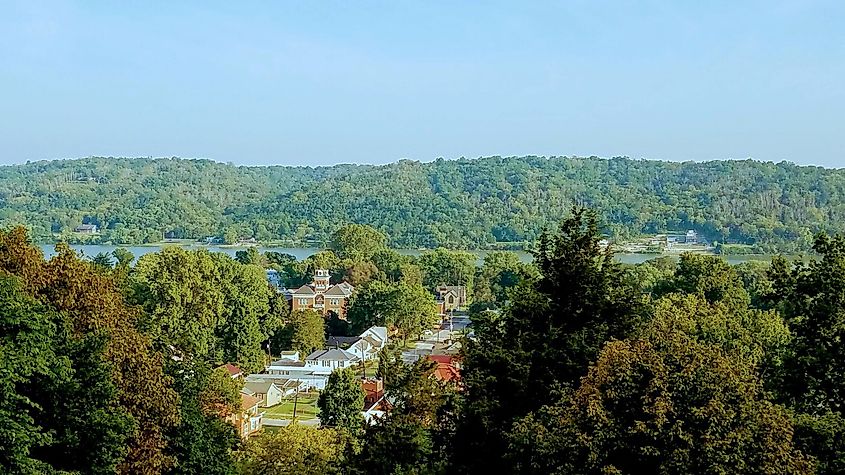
x=248 y=420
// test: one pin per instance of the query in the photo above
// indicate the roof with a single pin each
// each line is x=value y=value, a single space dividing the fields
x=451 y=288
x=284 y=362
x=232 y=369
x=379 y=332
x=340 y=340
x=336 y=291
x=446 y=372
x=304 y=290
x=282 y=382
x=87 y=226
x=333 y=354
x=259 y=387
x=372 y=341
x=248 y=402
x=445 y=359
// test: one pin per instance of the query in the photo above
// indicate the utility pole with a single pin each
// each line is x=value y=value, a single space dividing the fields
x=363 y=362
x=295 y=399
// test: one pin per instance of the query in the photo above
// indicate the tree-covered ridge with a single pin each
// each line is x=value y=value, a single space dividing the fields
x=453 y=203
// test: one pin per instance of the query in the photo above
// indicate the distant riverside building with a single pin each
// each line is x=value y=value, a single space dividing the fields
x=321 y=296
x=86 y=229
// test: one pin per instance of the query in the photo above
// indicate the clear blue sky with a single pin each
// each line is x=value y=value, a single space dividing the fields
x=319 y=82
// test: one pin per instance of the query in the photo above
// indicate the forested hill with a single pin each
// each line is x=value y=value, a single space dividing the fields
x=454 y=203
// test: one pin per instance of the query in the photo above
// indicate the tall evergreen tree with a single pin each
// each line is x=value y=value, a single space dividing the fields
x=545 y=339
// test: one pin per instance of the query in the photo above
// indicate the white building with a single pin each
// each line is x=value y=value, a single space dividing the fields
x=370 y=343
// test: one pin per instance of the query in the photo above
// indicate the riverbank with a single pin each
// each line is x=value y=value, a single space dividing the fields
x=301 y=253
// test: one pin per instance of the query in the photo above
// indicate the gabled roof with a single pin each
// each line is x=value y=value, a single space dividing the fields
x=248 y=402
x=333 y=354
x=447 y=372
x=372 y=341
x=446 y=359
x=304 y=290
x=336 y=291
x=232 y=369
x=378 y=332
x=340 y=340
x=259 y=387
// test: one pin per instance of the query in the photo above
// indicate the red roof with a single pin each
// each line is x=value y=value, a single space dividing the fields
x=447 y=372
x=248 y=402
x=232 y=369
x=446 y=359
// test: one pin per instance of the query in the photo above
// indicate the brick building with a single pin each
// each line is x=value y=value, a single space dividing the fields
x=321 y=295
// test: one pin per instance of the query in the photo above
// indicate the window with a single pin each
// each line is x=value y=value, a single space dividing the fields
x=303 y=301
x=335 y=302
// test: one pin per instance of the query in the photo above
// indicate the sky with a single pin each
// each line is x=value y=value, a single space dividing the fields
x=325 y=82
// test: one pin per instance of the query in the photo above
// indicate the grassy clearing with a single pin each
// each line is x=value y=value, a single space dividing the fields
x=306 y=408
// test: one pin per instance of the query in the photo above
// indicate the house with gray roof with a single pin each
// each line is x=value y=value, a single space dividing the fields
x=321 y=295
x=266 y=391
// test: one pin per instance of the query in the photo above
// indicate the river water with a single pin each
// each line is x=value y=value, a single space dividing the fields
x=303 y=252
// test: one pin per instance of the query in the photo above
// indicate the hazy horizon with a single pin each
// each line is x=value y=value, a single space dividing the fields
x=374 y=82
x=293 y=165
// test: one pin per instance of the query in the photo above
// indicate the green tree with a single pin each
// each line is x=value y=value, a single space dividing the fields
x=123 y=257
x=711 y=277
x=342 y=401
x=250 y=256
x=545 y=339
x=25 y=352
x=203 y=442
x=95 y=306
x=500 y=272
x=295 y=450
x=406 y=309
x=246 y=297
x=445 y=267
x=809 y=295
x=417 y=434
x=80 y=408
x=102 y=260
x=672 y=406
x=759 y=338
x=184 y=304
x=394 y=267
x=307 y=331
x=357 y=242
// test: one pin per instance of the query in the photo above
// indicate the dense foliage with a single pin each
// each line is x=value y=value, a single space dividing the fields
x=574 y=363
x=486 y=202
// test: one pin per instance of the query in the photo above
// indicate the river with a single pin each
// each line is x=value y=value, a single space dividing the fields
x=303 y=252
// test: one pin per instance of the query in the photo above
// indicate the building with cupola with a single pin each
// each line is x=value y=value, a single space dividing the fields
x=321 y=295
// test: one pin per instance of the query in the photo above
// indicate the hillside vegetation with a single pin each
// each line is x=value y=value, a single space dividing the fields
x=478 y=203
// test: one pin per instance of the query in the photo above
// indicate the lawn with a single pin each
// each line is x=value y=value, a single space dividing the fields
x=372 y=367
x=306 y=408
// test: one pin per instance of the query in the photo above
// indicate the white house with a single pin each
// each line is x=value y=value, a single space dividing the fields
x=287 y=386
x=266 y=391
x=298 y=371
x=326 y=361
x=370 y=343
